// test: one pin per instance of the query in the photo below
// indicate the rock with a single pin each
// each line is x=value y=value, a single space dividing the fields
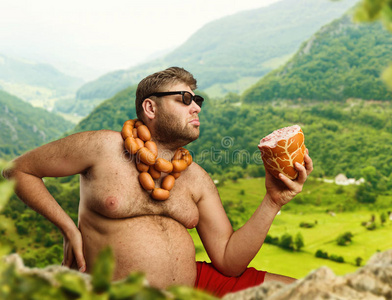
x=371 y=282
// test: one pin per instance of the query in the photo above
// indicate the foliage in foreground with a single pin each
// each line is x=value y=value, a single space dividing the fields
x=71 y=285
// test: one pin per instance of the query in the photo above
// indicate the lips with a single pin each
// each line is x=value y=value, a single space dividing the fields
x=195 y=122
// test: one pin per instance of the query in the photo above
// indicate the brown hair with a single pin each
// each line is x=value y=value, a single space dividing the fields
x=156 y=82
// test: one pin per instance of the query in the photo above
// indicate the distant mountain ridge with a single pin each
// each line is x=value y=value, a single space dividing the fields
x=231 y=53
x=35 y=82
x=342 y=60
x=23 y=127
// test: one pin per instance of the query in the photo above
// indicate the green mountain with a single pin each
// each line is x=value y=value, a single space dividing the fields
x=23 y=127
x=229 y=54
x=112 y=113
x=342 y=60
x=39 y=84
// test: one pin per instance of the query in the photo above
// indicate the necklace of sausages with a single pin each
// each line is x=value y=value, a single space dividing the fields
x=137 y=141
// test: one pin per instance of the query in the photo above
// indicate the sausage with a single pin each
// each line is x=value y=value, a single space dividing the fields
x=146 y=156
x=188 y=158
x=168 y=182
x=179 y=165
x=154 y=173
x=139 y=142
x=176 y=175
x=134 y=132
x=177 y=155
x=142 y=167
x=146 y=181
x=163 y=165
x=143 y=133
x=131 y=145
x=127 y=130
x=160 y=194
x=138 y=123
x=152 y=147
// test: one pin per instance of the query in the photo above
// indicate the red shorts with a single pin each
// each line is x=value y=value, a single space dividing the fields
x=210 y=280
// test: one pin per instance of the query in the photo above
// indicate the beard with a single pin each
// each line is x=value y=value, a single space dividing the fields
x=169 y=130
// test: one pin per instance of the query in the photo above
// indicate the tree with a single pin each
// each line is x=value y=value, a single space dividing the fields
x=286 y=242
x=299 y=241
x=344 y=239
x=321 y=254
x=358 y=261
x=364 y=194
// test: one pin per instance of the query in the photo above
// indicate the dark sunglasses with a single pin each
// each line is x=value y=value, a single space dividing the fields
x=187 y=97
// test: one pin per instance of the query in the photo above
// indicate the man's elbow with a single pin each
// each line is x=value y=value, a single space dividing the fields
x=231 y=270
x=8 y=172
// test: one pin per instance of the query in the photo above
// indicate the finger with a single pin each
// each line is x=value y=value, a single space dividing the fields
x=80 y=261
x=65 y=256
x=69 y=257
x=308 y=163
x=302 y=173
x=291 y=185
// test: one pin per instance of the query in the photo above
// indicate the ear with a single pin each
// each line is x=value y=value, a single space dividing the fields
x=150 y=108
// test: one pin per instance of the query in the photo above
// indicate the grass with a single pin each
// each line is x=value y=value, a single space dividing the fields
x=315 y=205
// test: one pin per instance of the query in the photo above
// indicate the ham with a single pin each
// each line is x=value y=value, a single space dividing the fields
x=281 y=149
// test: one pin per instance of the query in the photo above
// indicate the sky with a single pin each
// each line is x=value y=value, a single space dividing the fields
x=105 y=35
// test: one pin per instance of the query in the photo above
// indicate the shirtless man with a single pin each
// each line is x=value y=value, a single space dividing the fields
x=148 y=235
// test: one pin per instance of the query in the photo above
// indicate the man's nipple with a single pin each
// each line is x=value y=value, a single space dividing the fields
x=111 y=203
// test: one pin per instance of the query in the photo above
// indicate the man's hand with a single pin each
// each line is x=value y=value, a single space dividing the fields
x=282 y=191
x=73 y=251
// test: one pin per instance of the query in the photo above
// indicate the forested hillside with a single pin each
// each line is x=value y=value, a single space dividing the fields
x=342 y=60
x=38 y=83
x=23 y=127
x=231 y=53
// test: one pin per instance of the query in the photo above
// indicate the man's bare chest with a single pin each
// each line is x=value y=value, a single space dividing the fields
x=114 y=191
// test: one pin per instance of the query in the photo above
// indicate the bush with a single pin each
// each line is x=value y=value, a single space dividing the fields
x=358 y=261
x=344 y=239
x=299 y=241
x=364 y=194
x=371 y=226
x=306 y=225
x=337 y=258
x=48 y=242
x=271 y=240
x=22 y=228
x=321 y=254
x=286 y=242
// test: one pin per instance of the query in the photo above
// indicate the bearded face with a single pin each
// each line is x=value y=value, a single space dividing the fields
x=172 y=128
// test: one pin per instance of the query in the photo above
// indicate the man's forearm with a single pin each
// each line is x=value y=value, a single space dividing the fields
x=32 y=191
x=245 y=243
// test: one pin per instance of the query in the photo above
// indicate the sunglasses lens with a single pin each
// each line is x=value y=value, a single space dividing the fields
x=199 y=100
x=187 y=98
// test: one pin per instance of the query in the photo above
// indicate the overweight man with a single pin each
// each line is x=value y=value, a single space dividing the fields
x=145 y=234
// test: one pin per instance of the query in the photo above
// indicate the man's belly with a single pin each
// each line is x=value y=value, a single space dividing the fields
x=158 y=246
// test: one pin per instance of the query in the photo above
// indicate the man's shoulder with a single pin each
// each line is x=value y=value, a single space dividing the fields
x=102 y=135
x=199 y=175
x=99 y=140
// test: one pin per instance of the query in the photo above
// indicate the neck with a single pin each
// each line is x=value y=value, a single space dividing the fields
x=166 y=151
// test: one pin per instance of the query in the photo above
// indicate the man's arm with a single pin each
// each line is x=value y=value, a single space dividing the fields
x=230 y=251
x=68 y=156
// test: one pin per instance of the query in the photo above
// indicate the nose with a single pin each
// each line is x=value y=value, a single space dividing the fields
x=195 y=108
